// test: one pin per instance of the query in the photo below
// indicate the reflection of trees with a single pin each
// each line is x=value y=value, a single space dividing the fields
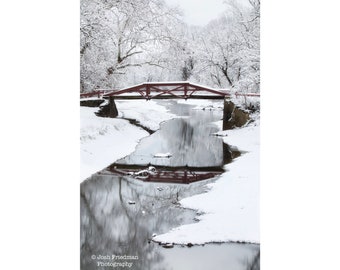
x=189 y=140
x=109 y=225
x=255 y=263
x=186 y=133
x=192 y=141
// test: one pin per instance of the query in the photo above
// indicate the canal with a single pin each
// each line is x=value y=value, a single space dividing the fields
x=120 y=213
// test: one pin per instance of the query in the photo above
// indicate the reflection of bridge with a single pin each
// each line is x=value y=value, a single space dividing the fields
x=179 y=175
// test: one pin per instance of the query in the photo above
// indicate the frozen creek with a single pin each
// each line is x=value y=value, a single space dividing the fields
x=120 y=215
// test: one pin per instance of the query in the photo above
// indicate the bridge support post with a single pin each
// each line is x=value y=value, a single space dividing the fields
x=113 y=112
x=227 y=113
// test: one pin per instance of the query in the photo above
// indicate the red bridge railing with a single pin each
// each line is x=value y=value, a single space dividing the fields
x=97 y=93
x=160 y=90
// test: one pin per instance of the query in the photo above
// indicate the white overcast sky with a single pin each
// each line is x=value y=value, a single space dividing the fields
x=199 y=12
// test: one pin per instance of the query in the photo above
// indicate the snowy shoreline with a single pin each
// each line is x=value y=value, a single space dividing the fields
x=230 y=208
x=104 y=140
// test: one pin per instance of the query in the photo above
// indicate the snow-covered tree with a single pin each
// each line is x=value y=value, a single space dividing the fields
x=229 y=52
x=125 y=42
x=117 y=35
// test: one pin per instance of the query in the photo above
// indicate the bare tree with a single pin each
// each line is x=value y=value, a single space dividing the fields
x=124 y=42
x=230 y=54
x=119 y=35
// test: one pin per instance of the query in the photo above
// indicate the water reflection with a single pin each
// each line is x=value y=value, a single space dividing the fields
x=119 y=215
x=111 y=225
x=179 y=175
x=254 y=263
x=213 y=256
x=188 y=140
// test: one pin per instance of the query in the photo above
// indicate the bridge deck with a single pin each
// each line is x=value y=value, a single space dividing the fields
x=166 y=90
x=129 y=97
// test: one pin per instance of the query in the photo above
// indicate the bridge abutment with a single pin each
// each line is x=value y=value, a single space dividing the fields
x=113 y=111
x=227 y=113
x=233 y=116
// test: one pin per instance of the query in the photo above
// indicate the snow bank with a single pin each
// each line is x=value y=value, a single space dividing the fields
x=104 y=140
x=92 y=98
x=231 y=207
x=148 y=113
x=244 y=102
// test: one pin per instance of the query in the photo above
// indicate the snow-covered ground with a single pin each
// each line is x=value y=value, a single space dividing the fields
x=148 y=113
x=104 y=140
x=240 y=101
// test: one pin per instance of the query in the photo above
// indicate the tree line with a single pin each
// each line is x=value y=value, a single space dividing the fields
x=125 y=42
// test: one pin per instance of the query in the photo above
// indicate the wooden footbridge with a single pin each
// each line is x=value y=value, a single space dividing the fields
x=166 y=90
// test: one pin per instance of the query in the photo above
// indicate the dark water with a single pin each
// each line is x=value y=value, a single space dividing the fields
x=189 y=140
x=212 y=256
x=120 y=214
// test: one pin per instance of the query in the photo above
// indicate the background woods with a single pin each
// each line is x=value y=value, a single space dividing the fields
x=127 y=42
